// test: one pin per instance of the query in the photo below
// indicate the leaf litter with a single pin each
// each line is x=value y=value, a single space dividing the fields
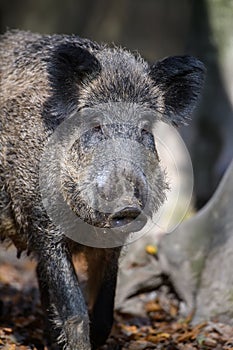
x=22 y=321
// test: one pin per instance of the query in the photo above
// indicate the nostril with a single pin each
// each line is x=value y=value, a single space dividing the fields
x=127 y=216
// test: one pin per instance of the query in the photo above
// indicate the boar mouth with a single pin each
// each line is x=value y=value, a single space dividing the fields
x=128 y=215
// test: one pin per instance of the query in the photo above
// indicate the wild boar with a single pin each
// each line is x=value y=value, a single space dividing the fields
x=45 y=79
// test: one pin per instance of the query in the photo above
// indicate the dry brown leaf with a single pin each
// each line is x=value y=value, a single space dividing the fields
x=186 y=336
x=209 y=342
x=140 y=345
x=173 y=310
x=158 y=338
x=152 y=306
x=199 y=326
x=7 y=330
x=128 y=330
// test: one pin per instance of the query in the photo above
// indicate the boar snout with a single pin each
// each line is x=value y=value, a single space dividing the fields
x=122 y=184
x=123 y=189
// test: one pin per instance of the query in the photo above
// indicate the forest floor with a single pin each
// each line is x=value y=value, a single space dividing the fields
x=22 y=323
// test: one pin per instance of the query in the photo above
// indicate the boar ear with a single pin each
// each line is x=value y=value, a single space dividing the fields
x=68 y=67
x=76 y=61
x=179 y=81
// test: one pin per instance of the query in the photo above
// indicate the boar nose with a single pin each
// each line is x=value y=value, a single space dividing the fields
x=128 y=215
x=122 y=186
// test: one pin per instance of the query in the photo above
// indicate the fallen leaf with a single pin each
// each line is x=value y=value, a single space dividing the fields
x=152 y=249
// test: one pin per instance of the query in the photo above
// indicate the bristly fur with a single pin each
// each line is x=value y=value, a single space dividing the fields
x=43 y=79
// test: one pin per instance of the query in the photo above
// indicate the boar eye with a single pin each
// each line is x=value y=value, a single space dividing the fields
x=97 y=128
x=144 y=132
x=145 y=125
x=147 y=139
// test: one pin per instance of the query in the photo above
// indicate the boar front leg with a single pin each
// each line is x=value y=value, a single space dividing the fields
x=103 y=265
x=62 y=299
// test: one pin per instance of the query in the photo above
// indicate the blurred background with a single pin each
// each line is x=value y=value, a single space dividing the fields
x=157 y=28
